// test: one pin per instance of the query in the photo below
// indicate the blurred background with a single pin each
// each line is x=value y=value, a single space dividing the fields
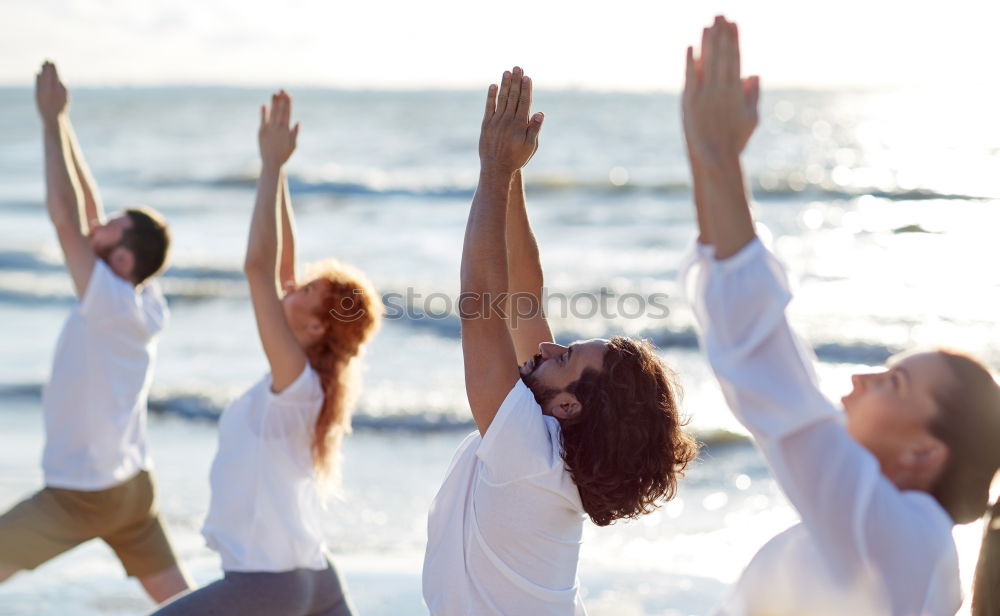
x=874 y=174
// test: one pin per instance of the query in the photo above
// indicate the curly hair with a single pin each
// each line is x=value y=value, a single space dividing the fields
x=352 y=311
x=626 y=448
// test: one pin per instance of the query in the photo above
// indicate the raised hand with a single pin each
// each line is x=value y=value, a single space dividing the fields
x=720 y=108
x=508 y=138
x=276 y=139
x=50 y=93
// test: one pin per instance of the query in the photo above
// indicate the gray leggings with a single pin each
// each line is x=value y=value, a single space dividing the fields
x=302 y=592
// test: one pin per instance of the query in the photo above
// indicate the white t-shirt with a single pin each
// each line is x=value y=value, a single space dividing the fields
x=95 y=400
x=504 y=532
x=264 y=510
x=863 y=546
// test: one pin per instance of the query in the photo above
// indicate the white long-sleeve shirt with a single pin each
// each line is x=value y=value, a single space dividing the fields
x=863 y=546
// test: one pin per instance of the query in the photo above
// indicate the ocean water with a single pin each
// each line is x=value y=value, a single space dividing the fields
x=883 y=218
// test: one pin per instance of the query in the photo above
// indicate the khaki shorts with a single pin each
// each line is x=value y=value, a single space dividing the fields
x=55 y=520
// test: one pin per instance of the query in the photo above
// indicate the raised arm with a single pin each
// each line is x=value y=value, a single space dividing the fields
x=93 y=208
x=277 y=142
x=860 y=522
x=62 y=189
x=286 y=268
x=720 y=115
x=525 y=314
x=507 y=141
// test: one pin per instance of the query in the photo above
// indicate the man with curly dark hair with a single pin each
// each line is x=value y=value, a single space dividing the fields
x=592 y=429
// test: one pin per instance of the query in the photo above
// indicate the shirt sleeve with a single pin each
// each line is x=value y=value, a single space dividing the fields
x=518 y=444
x=294 y=409
x=106 y=294
x=853 y=512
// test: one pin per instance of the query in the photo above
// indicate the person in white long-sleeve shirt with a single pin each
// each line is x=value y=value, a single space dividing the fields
x=878 y=487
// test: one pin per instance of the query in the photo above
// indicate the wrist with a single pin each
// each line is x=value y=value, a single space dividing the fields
x=496 y=174
x=51 y=122
x=270 y=166
x=707 y=156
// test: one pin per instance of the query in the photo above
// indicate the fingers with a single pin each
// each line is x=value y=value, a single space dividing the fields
x=514 y=95
x=706 y=52
x=725 y=47
x=504 y=92
x=734 y=41
x=278 y=111
x=690 y=72
x=295 y=134
x=491 y=103
x=49 y=69
x=534 y=127
x=524 y=100
x=286 y=108
x=720 y=53
x=751 y=93
x=716 y=71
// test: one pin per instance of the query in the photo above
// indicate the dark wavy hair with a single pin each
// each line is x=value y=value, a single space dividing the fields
x=626 y=448
x=968 y=422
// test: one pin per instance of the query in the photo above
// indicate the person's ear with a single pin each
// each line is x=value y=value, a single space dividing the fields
x=315 y=328
x=564 y=406
x=923 y=460
x=122 y=262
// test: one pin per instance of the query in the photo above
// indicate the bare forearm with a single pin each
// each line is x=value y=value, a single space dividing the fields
x=484 y=254
x=525 y=311
x=62 y=193
x=523 y=262
x=92 y=206
x=263 y=245
x=698 y=182
x=725 y=204
x=287 y=266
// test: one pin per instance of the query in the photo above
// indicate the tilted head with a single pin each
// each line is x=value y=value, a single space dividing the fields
x=932 y=420
x=134 y=243
x=622 y=432
x=333 y=316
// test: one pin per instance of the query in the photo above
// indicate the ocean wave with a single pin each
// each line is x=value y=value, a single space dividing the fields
x=777 y=186
x=28 y=261
x=198 y=407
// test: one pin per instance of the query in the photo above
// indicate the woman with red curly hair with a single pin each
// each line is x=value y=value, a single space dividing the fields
x=279 y=442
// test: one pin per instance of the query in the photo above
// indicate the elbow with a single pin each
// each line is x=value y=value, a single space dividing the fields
x=65 y=223
x=476 y=281
x=253 y=265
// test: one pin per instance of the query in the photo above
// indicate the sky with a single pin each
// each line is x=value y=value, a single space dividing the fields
x=417 y=44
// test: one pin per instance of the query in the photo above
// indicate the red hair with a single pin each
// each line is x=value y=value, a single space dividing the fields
x=351 y=310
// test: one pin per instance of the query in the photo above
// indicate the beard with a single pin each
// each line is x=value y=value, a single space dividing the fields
x=543 y=394
x=104 y=252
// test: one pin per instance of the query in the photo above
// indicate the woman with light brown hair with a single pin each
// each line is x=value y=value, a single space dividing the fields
x=279 y=443
x=880 y=486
